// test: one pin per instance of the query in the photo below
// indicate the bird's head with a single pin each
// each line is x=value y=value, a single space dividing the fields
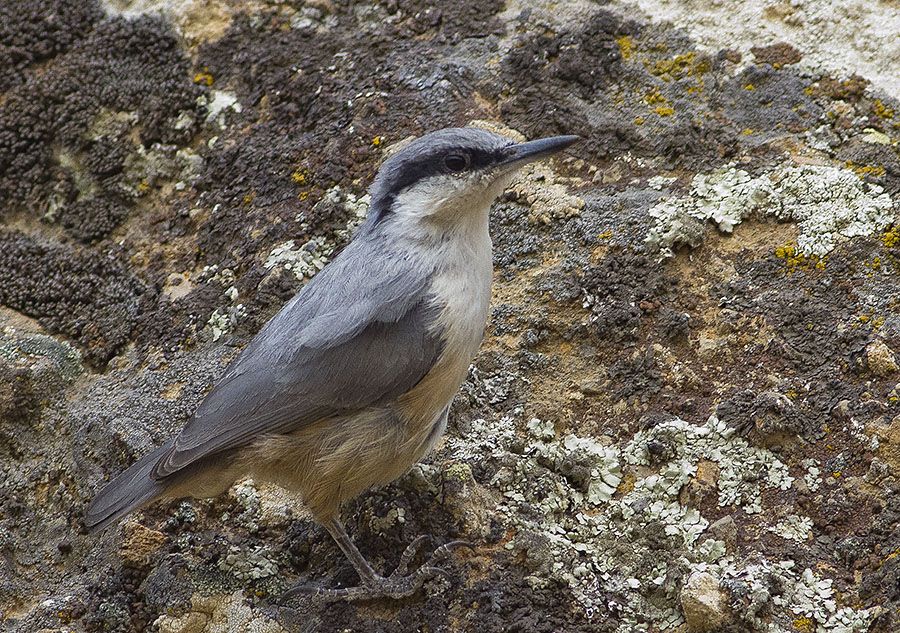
x=452 y=173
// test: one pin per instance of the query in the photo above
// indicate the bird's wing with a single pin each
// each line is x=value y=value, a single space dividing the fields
x=358 y=334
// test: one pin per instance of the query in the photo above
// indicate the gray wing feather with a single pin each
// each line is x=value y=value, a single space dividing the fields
x=358 y=334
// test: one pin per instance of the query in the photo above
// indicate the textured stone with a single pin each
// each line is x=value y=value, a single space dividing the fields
x=705 y=605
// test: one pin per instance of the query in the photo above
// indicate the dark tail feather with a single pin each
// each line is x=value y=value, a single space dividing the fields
x=127 y=492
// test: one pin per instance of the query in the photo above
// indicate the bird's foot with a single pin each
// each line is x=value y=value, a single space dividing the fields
x=400 y=584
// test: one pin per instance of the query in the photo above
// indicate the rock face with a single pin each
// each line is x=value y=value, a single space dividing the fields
x=704 y=604
x=685 y=412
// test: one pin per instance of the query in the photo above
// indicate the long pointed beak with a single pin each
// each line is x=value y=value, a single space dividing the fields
x=523 y=153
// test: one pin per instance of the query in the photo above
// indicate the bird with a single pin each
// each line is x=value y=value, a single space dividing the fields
x=351 y=382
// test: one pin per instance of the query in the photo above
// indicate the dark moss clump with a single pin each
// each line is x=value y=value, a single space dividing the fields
x=88 y=297
x=626 y=286
x=587 y=57
x=19 y=402
x=638 y=376
x=58 y=155
x=91 y=220
x=776 y=55
x=451 y=20
x=33 y=32
x=768 y=101
x=18 y=397
x=116 y=603
x=542 y=70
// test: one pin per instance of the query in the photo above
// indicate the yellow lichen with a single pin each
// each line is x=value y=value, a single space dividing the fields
x=865 y=170
x=639 y=120
x=654 y=96
x=377 y=141
x=881 y=110
x=891 y=237
x=300 y=176
x=749 y=87
x=804 y=624
x=794 y=259
x=626 y=46
x=747 y=131
x=205 y=78
x=605 y=235
x=683 y=65
x=303 y=195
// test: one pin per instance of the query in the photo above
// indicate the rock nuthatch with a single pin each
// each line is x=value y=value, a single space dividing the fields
x=351 y=382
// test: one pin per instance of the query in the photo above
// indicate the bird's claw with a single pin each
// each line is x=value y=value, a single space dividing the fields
x=399 y=584
x=381 y=587
x=408 y=555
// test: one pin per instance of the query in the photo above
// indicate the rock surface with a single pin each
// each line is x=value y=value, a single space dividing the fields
x=685 y=414
x=704 y=604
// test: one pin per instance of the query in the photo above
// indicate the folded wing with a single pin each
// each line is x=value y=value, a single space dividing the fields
x=357 y=335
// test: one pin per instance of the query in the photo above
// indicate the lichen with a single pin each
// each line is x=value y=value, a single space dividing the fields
x=793 y=528
x=304 y=261
x=218 y=614
x=626 y=46
x=223 y=320
x=829 y=204
x=570 y=499
x=217 y=105
x=252 y=564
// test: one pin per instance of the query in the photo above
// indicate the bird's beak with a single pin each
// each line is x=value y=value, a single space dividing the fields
x=523 y=153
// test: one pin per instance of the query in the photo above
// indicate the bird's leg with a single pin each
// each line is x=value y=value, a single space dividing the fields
x=399 y=584
x=362 y=566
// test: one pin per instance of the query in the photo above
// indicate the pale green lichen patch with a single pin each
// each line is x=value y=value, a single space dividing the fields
x=717 y=442
x=253 y=564
x=829 y=204
x=304 y=261
x=310 y=257
x=570 y=501
x=793 y=528
x=223 y=320
x=217 y=105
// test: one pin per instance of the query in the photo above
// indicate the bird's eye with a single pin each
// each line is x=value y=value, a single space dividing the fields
x=455 y=162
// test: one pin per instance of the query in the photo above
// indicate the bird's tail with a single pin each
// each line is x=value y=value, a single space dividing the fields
x=129 y=491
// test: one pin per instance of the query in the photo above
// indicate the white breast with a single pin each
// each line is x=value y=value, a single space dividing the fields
x=462 y=285
x=461 y=288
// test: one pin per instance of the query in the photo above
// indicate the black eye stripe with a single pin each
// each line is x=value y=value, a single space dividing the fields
x=403 y=172
x=434 y=164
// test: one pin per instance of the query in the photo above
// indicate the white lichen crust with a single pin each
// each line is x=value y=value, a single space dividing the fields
x=573 y=503
x=829 y=205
